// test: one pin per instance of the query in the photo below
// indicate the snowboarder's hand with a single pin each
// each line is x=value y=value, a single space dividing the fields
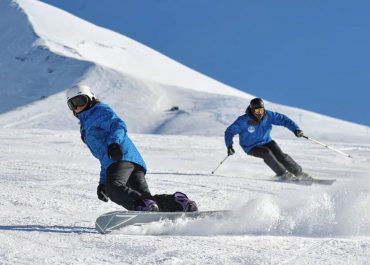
x=102 y=194
x=230 y=150
x=299 y=133
x=115 y=152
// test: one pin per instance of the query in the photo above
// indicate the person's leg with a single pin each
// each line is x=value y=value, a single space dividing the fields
x=167 y=203
x=177 y=202
x=137 y=181
x=117 y=177
x=269 y=159
x=288 y=162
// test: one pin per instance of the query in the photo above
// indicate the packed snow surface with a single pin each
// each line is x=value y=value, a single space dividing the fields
x=49 y=204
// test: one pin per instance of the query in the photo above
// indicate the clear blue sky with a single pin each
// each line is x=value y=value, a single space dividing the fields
x=312 y=54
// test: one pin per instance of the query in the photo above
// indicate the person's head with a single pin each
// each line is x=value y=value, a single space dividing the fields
x=79 y=97
x=257 y=108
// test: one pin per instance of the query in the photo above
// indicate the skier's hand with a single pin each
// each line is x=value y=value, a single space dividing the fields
x=115 y=152
x=230 y=150
x=299 y=133
x=102 y=194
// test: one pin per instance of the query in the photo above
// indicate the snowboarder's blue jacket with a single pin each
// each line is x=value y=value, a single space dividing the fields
x=100 y=127
x=252 y=134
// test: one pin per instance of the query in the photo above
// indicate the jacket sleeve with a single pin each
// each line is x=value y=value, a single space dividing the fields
x=283 y=120
x=102 y=175
x=231 y=131
x=110 y=122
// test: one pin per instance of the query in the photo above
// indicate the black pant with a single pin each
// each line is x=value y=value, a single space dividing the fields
x=274 y=157
x=126 y=183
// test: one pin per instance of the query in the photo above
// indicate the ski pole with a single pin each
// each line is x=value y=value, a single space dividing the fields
x=220 y=164
x=327 y=146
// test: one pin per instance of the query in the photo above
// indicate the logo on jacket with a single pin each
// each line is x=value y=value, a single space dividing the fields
x=251 y=129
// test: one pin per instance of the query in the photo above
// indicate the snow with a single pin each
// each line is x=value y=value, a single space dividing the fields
x=50 y=57
x=48 y=199
x=49 y=204
x=83 y=40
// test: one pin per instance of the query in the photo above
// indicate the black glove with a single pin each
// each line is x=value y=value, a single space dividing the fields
x=102 y=194
x=115 y=152
x=230 y=150
x=298 y=133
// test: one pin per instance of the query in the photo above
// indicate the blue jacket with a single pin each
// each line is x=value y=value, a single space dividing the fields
x=253 y=134
x=100 y=127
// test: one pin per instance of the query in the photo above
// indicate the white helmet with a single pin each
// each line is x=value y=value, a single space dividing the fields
x=77 y=90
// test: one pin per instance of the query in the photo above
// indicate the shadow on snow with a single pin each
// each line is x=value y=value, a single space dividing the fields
x=50 y=229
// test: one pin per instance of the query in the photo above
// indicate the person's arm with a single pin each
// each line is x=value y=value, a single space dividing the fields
x=117 y=130
x=230 y=132
x=283 y=120
x=110 y=122
x=102 y=174
x=101 y=192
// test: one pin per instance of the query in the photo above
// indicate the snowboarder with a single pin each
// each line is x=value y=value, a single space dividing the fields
x=122 y=176
x=254 y=129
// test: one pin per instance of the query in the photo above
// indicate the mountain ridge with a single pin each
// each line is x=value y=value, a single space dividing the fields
x=205 y=106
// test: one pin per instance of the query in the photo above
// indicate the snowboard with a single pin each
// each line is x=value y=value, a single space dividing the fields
x=116 y=220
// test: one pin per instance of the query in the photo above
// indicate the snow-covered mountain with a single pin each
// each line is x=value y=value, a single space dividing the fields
x=45 y=50
x=48 y=178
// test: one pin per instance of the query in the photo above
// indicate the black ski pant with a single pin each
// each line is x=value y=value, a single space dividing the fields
x=274 y=157
x=126 y=183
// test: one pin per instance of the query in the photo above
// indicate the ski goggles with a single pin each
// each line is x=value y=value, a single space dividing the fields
x=78 y=101
x=258 y=111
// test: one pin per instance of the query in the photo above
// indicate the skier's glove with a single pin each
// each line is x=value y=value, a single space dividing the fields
x=298 y=133
x=230 y=150
x=115 y=152
x=102 y=194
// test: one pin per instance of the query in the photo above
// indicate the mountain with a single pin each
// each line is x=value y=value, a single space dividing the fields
x=46 y=50
x=48 y=177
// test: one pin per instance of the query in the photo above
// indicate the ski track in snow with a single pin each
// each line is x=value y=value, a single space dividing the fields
x=49 y=205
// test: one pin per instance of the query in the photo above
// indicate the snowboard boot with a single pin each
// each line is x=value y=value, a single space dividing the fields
x=177 y=202
x=146 y=205
x=186 y=204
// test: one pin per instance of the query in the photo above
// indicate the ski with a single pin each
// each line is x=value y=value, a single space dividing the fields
x=307 y=182
x=324 y=181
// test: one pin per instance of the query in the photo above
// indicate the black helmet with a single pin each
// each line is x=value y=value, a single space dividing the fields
x=256 y=103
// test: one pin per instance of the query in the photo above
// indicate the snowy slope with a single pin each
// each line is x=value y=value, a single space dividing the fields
x=29 y=71
x=48 y=178
x=140 y=84
x=48 y=204
x=83 y=40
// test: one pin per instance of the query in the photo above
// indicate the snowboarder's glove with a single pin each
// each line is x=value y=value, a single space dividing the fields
x=102 y=194
x=298 y=133
x=230 y=150
x=115 y=152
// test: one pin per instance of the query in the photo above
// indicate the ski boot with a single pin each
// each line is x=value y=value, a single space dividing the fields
x=288 y=176
x=304 y=176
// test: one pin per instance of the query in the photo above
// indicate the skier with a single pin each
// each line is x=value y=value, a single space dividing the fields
x=122 y=175
x=254 y=129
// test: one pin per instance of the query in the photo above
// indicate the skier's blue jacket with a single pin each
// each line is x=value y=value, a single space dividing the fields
x=100 y=127
x=252 y=134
